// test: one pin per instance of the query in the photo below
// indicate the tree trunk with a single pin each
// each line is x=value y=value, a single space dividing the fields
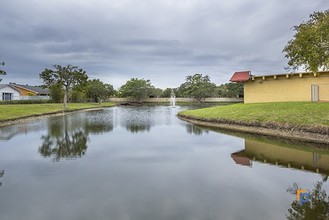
x=65 y=98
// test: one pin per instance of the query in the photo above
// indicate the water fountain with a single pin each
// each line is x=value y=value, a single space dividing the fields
x=173 y=99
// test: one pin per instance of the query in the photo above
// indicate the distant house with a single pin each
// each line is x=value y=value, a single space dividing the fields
x=8 y=92
x=287 y=87
x=15 y=91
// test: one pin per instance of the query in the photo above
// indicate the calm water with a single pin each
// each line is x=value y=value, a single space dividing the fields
x=143 y=163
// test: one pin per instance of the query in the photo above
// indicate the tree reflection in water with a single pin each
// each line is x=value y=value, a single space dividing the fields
x=317 y=208
x=135 y=128
x=2 y=172
x=194 y=129
x=68 y=136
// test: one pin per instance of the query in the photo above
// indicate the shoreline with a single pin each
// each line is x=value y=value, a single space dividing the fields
x=304 y=134
x=12 y=121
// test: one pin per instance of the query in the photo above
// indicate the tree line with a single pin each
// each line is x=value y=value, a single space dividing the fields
x=71 y=83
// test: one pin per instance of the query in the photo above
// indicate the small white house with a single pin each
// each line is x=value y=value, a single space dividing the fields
x=8 y=93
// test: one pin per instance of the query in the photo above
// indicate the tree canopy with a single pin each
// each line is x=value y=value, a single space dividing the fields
x=97 y=90
x=66 y=76
x=2 y=72
x=309 y=47
x=230 y=90
x=136 y=88
x=198 y=87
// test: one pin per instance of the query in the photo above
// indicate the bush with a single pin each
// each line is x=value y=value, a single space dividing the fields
x=35 y=101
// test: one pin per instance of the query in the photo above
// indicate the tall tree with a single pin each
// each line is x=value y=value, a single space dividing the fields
x=67 y=76
x=56 y=93
x=155 y=93
x=96 y=90
x=198 y=87
x=230 y=90
x=2 y=72
x=309 y=47
x=110 y=90
x=136 y=88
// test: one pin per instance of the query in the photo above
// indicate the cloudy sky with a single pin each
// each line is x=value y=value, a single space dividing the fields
x=160 y=40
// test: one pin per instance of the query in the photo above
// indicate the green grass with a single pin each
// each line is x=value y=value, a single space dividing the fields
x=8 y=112
x=292 y=113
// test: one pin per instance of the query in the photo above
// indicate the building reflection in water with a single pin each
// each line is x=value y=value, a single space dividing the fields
x=289 y=155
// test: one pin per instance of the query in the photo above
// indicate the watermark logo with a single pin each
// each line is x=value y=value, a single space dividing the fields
x=302 y=196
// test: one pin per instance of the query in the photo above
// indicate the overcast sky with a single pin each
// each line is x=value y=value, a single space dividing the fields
x=160 y=40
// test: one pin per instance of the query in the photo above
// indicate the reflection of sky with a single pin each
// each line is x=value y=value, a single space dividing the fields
x=165 y=173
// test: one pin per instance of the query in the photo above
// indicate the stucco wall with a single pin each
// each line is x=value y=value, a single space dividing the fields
x=283 y=89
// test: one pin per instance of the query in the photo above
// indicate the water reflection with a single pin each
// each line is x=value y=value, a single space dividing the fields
x=316 y=208
x=9 y=132
x=136 y=119
x=196 y=130
x=67 y=136
x=289 y=155
x=63 y=140
x=2 y=172
x=162 y=169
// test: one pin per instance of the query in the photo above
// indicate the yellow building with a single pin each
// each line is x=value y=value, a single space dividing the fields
x=289 y=87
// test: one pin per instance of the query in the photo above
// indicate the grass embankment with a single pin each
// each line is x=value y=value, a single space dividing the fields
x=16 y=111
x=306 y=116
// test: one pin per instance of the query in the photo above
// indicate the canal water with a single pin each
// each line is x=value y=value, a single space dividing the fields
x=143 y=163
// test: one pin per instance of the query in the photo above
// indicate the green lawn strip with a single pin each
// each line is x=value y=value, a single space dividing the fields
x=292 y=113
x=9 y=112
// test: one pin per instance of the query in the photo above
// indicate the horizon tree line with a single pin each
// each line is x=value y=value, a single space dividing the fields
x=71 y=83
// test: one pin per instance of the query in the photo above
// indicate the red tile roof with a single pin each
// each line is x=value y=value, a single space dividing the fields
x=240 y=76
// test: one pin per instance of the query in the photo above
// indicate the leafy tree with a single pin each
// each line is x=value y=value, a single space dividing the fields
x=78 y=95
x=96 y=90
x=136 y=88
x=2 y=72
x=198 y=87
x=309 y=47
x=230 y=90
x=67 y=76
x=155 y=92
x=110 y=90
x=167 y=92
x=56 y=93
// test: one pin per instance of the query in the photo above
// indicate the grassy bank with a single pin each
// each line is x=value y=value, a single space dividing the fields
x=10 y=112
x=289 y=114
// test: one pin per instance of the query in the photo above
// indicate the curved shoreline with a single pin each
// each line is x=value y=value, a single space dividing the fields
x=281 y=131
x=36 y=116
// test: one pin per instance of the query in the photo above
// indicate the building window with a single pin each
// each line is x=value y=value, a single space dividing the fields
x=7 y=96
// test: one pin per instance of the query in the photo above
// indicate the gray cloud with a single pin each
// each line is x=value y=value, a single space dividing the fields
x=162 y=40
